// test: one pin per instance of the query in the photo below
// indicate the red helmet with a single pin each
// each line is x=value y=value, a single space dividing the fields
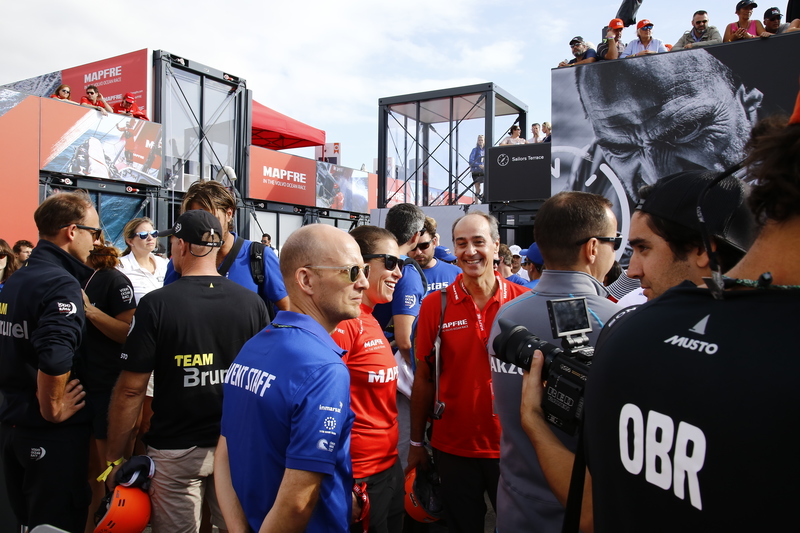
x=128 y=511
x=422 y=496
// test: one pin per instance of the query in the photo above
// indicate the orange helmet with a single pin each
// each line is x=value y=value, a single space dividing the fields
x=128 y=511
x=422 y=496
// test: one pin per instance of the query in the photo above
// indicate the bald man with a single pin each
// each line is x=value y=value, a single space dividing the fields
x=286 y=418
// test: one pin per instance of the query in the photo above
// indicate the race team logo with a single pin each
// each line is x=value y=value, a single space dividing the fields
x=325 y=445
x=67 y=309
x=330 y=423
x=410 y=300
x=37 y=454
x=126 y=293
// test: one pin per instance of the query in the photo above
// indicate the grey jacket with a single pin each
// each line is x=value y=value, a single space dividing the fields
x=711 y=36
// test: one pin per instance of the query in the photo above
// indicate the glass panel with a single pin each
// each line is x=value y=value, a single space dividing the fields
x=181 y=129
x=115 y=211
x=219 y=117
x=289 y=223
x=401 y=165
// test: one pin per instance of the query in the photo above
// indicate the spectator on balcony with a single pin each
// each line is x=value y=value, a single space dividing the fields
x=744 y=28
x=62 y=93
x=513 y=137
x=644 y=43
x=772 y=22
x=583 y=51
x=94 y=99
x=613 y=35
x=701 y=33
x=129 y=108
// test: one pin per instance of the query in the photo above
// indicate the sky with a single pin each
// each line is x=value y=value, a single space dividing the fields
x=327 y=63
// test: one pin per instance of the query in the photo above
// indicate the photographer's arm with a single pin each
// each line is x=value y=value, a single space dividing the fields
x=555 y=459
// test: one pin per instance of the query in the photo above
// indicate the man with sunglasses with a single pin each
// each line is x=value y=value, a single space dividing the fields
x=44 y=430
x=701 y=33
x=438 y=273
x=576 y=233
x=582 y=51
x=284 y=454
x=94 y=99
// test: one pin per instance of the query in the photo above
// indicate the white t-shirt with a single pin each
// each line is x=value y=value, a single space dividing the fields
x=142 y=280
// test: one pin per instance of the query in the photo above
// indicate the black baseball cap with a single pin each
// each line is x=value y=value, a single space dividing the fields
x=196 y=227
x=746 y=3
x=576 y=40
x=772 y=12
x=725 y=210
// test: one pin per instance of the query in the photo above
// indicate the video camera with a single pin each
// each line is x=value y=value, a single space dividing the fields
x=566 y=368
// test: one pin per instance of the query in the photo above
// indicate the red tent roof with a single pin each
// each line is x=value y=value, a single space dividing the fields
x=277 y=131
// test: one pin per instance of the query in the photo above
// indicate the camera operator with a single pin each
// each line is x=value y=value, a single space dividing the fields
x=577 y=234
x=682 y=432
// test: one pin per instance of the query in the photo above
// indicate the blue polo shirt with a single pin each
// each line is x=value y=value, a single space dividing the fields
x=272 y=290
x=287 y=405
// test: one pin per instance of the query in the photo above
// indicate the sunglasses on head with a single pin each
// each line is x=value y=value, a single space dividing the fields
x=423 y=246
x=390 y=262
x=351 y=270
x=143 y=234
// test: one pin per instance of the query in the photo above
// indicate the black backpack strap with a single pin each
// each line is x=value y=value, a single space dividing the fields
x=257 y=262
x=226 y=264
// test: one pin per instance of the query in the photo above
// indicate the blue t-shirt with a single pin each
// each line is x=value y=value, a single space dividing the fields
x=272 y=290
x=287 y=405
x=440 y=276
x=519 y=280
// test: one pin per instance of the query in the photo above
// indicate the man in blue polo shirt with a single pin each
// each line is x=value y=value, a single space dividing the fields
x=213 y=197
x=284 y=454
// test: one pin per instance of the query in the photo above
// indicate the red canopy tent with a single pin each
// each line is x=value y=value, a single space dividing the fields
x=276 y=131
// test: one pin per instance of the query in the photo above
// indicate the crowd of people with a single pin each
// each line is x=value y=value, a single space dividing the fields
x=126 y=106
x=318 y=391
x=700 y=34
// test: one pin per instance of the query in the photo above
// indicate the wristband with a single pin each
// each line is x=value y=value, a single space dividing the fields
x=415 y=443
x=102 y=477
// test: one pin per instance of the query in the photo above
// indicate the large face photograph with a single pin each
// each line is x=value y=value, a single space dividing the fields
x=621 y=125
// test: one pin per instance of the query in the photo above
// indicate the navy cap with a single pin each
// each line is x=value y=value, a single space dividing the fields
x=725 y=210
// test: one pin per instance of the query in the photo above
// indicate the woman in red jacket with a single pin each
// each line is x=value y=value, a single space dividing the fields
x=373 y=385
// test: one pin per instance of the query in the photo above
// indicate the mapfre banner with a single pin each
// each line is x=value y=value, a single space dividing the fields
x=280 y=177
x=113 y=77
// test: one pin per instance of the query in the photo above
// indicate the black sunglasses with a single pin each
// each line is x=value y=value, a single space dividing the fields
x=616 y=240
x=352 y=271
x=143 y=234
x=96 y=232
x=390 y=262
x=3 y=255
x=423 y=246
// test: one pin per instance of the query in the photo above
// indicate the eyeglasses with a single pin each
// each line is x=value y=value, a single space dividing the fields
x=390 y=262
x=616 y=240
x=352 y=271
x=143 y=234
x=423 y=246
x=96 y=232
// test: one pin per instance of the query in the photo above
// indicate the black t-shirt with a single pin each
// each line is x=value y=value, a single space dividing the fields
x=189 y=332
x=110 y=291
x=692 y=414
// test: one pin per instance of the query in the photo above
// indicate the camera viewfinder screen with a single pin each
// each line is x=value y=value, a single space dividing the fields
x=571 y=316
